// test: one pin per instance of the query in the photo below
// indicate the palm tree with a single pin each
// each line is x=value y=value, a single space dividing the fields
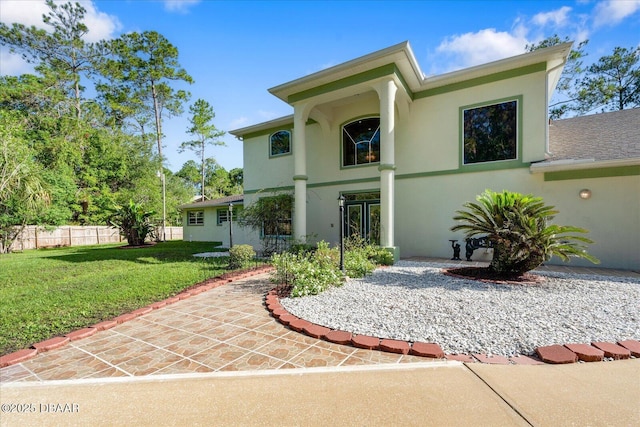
x=518 y=226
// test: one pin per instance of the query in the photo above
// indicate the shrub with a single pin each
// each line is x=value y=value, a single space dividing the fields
x=357 y=263
x=134 y=223
x=518 y=226
x=380 y=256
x=309 y=273
x=240 y=256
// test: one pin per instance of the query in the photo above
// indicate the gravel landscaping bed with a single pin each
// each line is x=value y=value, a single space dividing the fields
x=414 y=301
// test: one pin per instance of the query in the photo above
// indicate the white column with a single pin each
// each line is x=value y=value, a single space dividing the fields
x=387 y=92
x=300 y=173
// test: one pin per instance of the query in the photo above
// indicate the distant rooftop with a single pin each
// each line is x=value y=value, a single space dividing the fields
x=223 y=201
x=605 y=136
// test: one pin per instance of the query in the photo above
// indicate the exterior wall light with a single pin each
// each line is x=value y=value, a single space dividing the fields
x=585 y=194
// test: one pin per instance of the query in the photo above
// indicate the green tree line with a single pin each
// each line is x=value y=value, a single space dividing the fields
x=83 y=133
x=611 y=83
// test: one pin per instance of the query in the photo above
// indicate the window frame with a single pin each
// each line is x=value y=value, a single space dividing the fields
x=493 y=164
x=220 y=211
x=287 y=153
x=342 y=143
x=195 y=218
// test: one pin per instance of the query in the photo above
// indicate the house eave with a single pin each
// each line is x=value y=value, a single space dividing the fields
x=580 y=164
x=557 y=52
x=280 y=121
x=400 y=54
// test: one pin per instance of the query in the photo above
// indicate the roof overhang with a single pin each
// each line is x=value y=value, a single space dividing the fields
x=223 y=201
x=261 y=127
x=580 y=164
x=399 y=61
x=400 y=54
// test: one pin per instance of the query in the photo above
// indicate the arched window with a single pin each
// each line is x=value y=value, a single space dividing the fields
x=280 y=143
x=361 y=142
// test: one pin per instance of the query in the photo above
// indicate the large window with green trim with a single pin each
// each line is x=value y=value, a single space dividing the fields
x=490 y=133
x=280 y=143
x=361 y=142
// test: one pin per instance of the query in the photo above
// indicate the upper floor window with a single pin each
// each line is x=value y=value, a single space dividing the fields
x=280 y=143
x=490 y=133
x=361 y=142
x=195 y=218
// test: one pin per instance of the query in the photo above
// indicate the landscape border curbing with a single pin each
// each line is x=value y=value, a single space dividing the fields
x=20 y=356
x=554 y=354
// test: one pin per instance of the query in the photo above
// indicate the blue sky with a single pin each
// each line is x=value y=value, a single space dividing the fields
x=236 y=50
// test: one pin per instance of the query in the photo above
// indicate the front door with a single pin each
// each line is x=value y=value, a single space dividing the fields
x=363 y=216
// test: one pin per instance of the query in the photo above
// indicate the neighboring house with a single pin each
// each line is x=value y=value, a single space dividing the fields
x=208 y=221
x=407 y=151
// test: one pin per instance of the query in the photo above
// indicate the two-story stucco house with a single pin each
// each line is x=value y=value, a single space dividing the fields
x=406 y=151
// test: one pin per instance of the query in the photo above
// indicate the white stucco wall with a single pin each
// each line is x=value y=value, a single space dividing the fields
x=210 y=231
x=429 y=186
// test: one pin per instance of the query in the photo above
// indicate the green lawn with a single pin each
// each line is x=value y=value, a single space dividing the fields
x=50 y=292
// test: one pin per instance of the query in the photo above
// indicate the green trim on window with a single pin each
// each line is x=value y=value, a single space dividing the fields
x=195 y=218
x=498 y=164
x=610 y=172
x=341 y=159
x=478 y=81
x=359 y=78
x=288 y=153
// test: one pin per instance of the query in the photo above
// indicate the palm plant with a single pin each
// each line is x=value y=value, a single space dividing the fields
x=519 y=228
x=134 y=223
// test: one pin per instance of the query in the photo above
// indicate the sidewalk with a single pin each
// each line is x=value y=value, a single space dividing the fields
x=421 y=394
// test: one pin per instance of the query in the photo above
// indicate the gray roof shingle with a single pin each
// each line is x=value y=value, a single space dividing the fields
x=606 y=136
x=223 y=201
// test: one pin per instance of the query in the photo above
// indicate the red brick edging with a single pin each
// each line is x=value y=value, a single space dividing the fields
x=554 y=354
x=57 y=342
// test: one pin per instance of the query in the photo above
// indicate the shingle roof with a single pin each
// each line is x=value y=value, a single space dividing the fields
x=606 y=136
x=223 y=201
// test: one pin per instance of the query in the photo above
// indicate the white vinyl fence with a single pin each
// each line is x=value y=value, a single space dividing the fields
x=33 y=237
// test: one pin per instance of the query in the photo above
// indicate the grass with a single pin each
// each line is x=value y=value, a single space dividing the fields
x=51 y=292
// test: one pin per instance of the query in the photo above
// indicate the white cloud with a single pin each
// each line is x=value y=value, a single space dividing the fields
x=13 y=65
x=180 y=6
x=101 y=25
x=15 y=11
x=611 y=12
x=556 y=18
x=484 y=46
x=268 y=115
x=238 y=123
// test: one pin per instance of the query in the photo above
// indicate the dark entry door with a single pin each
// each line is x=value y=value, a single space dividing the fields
x=363 y=216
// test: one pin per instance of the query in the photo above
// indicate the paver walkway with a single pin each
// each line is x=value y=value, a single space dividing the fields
x=223 y=329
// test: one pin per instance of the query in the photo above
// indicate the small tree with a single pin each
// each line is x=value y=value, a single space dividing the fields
x=134 y=223
x=518 y=226
x=271 y=216
x=204 y=132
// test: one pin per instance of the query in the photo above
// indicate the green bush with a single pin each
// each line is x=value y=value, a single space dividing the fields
x=308 y=273
x=380 y=256
x=240 y=256
x=519 y=228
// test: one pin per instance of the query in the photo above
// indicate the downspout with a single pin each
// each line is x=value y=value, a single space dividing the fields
x=547 y=152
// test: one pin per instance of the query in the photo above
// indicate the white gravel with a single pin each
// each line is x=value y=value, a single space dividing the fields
x=414 y=301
